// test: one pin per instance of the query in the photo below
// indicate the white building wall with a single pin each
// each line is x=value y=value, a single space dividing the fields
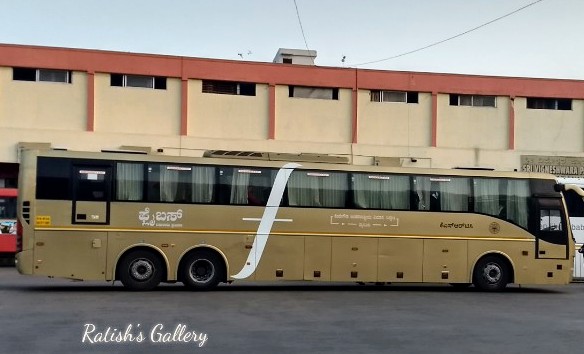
x=54 y=106
x=394 y=123
x=222 y=116
x=313 y=120
x=137 y=110
x=549 y=130
x=473 y=127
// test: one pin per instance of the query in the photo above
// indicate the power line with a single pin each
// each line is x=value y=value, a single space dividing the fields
x=450 y=38
x=300 y=22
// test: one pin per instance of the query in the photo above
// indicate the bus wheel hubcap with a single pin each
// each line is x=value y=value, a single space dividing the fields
x=492 y=273
x=141 y=269
x=202 y=270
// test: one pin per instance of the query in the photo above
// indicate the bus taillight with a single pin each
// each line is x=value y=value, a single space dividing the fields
x=18 y=236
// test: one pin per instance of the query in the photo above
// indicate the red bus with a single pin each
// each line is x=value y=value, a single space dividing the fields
x=7 y=225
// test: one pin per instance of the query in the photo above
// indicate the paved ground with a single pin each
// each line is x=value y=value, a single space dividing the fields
x=41 y=315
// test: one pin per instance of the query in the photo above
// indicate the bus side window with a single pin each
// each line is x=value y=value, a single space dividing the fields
x=450 y=193
x=179 y=183
x=574 y=203
x=487 y=197
x=153 y=192
x=381 y=191
x=129 y=181
x=323 y=189
x=91 y=185
x=247 y=186
x=517 y=196
x=421 y=191
x=203 y=184
x=550 y=220
x=441 y=193
x=224 y=185
x=53 y=178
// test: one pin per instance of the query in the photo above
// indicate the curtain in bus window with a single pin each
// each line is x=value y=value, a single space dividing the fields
x=239 y=187
x=203 y=184
x=422 y=192
x=487 y=196
x=453 y=193
x=129 y=181
x=175 y=183
x=317 y=189
x=517 y=202
x=168 y=184
x=251 y=186
x=381 y=191
x=303 y=190
x=334 y=190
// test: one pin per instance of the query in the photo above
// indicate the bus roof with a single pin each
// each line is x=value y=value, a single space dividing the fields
x=234 y=161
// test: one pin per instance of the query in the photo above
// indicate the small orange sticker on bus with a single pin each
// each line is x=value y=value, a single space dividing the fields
x=43 y=221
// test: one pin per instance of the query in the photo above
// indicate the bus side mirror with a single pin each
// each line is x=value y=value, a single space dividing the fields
x=559 y=187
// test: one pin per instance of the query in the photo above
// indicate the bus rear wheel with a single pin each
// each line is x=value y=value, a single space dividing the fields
x=491 y=273
x=202 y=270
x=140 y=270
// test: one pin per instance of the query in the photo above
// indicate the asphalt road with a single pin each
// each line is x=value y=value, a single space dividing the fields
x=41 y=315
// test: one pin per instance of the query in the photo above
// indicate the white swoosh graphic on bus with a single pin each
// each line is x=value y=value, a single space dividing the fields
x=266 y=222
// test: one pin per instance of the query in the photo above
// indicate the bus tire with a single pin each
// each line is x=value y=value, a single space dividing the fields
x=140 y=270
x=491 y=273
x=202 y=270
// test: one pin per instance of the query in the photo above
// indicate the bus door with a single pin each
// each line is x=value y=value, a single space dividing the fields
x=92 y=194
x=550 y=227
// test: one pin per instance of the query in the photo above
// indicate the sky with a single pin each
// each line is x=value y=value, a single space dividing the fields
x=544 y=40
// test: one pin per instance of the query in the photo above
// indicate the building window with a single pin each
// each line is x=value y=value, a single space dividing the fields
x=322 y=93
x=152 y=82
x=229 y=88
x=46 y=75
x=394 y=96
x=562 y=104
x=287 y=60
x=473 y=100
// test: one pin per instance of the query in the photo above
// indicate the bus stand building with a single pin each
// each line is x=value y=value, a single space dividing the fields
x=93 y=100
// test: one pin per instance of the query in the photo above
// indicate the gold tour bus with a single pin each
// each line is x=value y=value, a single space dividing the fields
x=146 y=218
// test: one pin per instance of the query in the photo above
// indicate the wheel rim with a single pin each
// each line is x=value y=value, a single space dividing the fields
x=492 y=273
x=202 y=270
x=141 y=269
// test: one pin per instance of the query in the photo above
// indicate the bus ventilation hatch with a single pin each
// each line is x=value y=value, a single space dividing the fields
x=276 y=156
x=26 y=211
x=237 y=154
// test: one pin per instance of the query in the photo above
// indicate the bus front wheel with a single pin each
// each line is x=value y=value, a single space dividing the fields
x=202 y=270
x=491 y=273
x=140 y=270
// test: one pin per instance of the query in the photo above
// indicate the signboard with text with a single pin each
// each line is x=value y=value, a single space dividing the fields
x=567 y=166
